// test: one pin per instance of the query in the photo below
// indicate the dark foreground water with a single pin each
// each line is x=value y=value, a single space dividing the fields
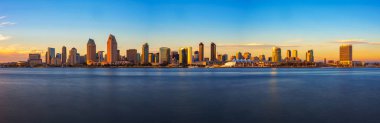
x=189 y=95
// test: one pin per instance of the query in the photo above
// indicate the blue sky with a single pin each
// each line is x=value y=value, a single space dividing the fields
x=234 y=25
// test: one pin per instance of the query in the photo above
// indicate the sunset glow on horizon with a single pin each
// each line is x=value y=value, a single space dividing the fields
x=253 y=26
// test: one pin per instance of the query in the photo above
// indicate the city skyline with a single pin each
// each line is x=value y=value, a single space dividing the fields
x=235 y=26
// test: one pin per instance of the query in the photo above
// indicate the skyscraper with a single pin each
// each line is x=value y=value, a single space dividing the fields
x=276 y=54
x=174 y=56
x=50 y=55
x=288 y=54
x=239 y=56
x=151 y=58
x=262 y=57
x=310 y=56
x=64 y=55
x=224 y=57
x=91 y=52
x=111 y=49
x=100 y=56
x=201 y=52
x=295 y=54
x=164 y=55
x=145 y=54
x=189 y=55
x=213 y=52
x=247 y=55
x=185 y=56
x=196 y=56
x=73 y=58
x=345 y=54
x=182 y=56
x=132 y=56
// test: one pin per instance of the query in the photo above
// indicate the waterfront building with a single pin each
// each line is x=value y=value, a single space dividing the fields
x=276 y=54
x=73 y=57
x=64 y=55
x=157 y=58
x=132 y=56
x=50 y=54
x=138 y=58
x=100 y=56
x=164 y=55
x=232 y=58
x=201 y=52
x=82 y=59
x=309 y=56
x=118 y=55
x=174 y=56
x=145 y=54
x=111 y=49
x=213 y=51
x=345 y=54
x=196 y=56
x=288 y=54
x=34 y=59
x=262 y=57
x=185 y=56
x=224 y=58
x=219 y=57
x=189 y=55
x=239 y=56
x=295 y=54
x=151 y=58
x=91 y=52
x=247 y=55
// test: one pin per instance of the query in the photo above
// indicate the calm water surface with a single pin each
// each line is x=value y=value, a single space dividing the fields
x=60 y=95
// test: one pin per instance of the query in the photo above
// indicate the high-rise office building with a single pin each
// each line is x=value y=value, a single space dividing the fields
x=157 y=57
x=145 y=54
x=345 y=54
x=64 y=55
x=111 y=49
x=262 y=57
x=164 y=55
x=185 y=56
x=100 y=56
x=310 y=56
x=213 y=52
x=151 y=58
x=196 y=56
x=50 y=55
x=91 y=52
x=224 y=58
x=182 y=56
x=201 y=52
x=132 y=56
x=288 y=54
x=219 y=57
x=73 y=57
x=174 y=56
x=295 y=54
x=189 y=55
x=276 y=54
x=118 y=55
x=247 y=55
x=239 y=56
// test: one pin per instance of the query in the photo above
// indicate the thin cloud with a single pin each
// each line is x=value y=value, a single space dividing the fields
x=2 y=24
x=357 y=41
x=2 y=17
x=3 y=38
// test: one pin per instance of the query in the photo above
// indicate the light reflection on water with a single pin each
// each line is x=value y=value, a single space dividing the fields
x=189 y=95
